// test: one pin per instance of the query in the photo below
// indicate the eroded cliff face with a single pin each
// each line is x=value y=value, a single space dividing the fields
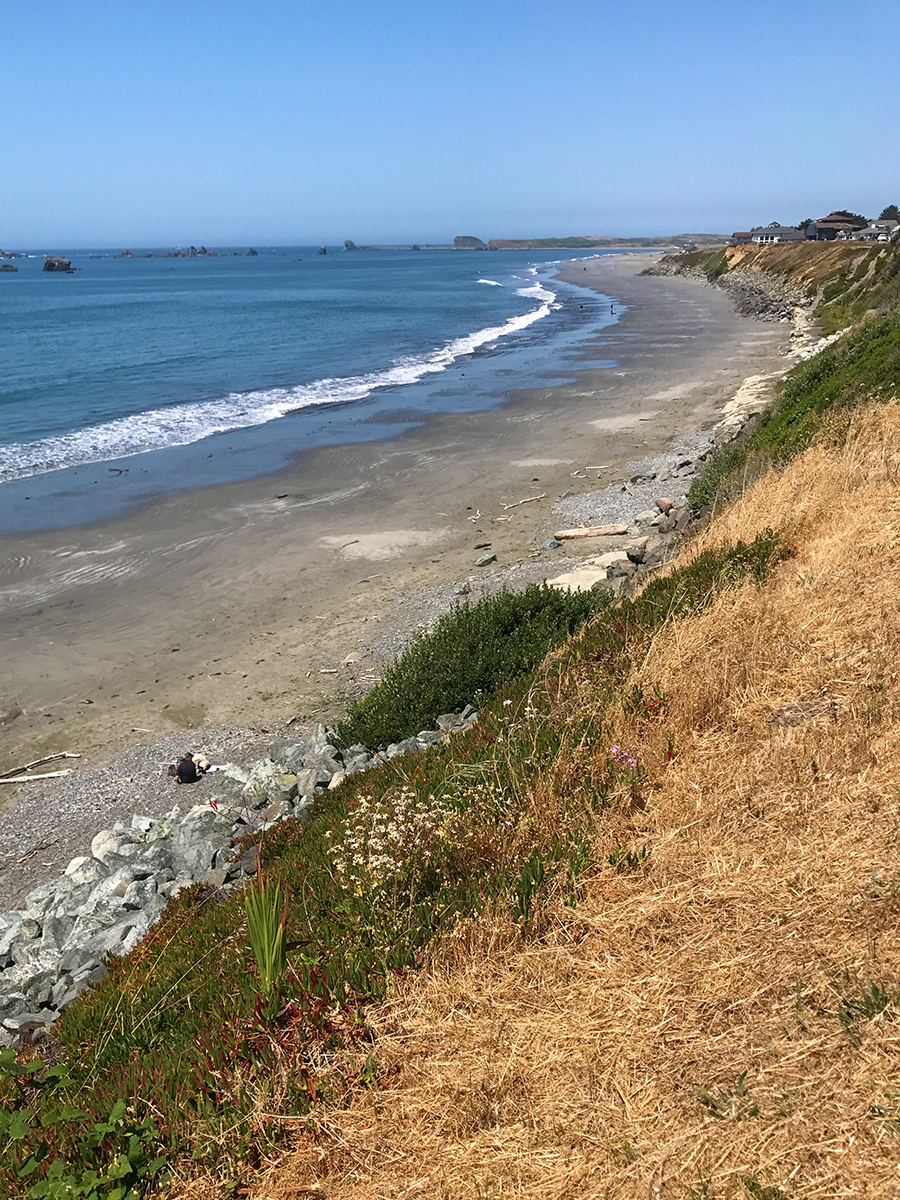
x=772 y=282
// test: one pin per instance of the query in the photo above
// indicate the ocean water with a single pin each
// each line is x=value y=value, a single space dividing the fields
x=136 y=377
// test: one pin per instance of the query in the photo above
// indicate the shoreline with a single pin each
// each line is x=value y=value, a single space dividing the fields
x=243 y=601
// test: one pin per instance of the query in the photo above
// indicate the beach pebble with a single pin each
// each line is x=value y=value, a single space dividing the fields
x=551 y=544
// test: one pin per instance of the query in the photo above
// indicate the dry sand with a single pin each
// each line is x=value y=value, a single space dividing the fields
x=237 y=605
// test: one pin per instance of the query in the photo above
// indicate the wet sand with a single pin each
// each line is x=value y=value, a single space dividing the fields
x=238 y=604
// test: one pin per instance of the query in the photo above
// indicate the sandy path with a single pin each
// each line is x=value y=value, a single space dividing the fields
x=237 y=604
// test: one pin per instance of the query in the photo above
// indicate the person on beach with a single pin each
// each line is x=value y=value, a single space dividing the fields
x=187 y=770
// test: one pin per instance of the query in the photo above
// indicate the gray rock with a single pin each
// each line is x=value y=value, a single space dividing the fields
x=486 y=560
x=12 y=1004
x=234 y=772
x=89 y=871
x=29 y=928
x=56 y=933
x=269 y=782
x=429 y=737
x=78 y=961
x=7 y=938
x=39 y=988
x=248 y=863
x=621 y=570
x=115 y=884
x=159 y=831
x=551 y=544
x=654 y=551
x=407 y=746
x=194 y=857
x=95 y=918
x=59 y=997
x=215 y=878
x=448 y=721
x=140 y=893
x=647 y=517
x=312 y=777
x=105 y=843
x=357 y=762
x=89 y=975
x=10 y=709
x=40 y=1020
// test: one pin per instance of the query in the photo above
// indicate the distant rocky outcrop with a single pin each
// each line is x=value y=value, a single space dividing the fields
x=8 y=267
x=126 y=254
x=52 y=263
x=469 y=243
x=251 y=253
x=348 y=245
x=192 y=252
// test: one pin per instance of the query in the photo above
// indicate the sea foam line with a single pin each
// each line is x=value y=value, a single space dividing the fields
x=181 y=425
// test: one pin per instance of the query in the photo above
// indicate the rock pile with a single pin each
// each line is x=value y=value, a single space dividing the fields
x=109 y=898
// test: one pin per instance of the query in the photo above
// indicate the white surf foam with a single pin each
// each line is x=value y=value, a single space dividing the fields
x=492 y=282
x=180 y=425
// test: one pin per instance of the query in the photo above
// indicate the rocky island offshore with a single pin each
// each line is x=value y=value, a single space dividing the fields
x=657 y=856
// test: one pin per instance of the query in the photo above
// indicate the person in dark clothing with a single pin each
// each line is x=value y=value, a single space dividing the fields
x=186 y=771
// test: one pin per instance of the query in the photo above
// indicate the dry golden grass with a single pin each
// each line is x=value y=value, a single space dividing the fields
x=570 y=1065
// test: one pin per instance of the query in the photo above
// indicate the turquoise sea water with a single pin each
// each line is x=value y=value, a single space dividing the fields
x=135 y=377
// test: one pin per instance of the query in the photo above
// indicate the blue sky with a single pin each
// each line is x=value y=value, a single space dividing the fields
x=155 y=122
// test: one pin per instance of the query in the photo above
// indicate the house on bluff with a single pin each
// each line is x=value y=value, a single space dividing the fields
x=834 y=227
x=878 y=231
x=771 y=235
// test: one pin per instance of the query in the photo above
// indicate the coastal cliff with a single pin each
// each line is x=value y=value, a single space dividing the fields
x=633 y=905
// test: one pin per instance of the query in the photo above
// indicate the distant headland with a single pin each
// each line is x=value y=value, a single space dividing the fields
x=683 y=241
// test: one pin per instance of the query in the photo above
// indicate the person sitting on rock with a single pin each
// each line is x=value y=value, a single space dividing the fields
x=186 y=771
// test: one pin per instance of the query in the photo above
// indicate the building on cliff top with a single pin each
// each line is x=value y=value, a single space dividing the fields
x=770 y=235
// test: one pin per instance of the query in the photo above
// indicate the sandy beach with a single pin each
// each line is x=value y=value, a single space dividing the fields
x=237 y=605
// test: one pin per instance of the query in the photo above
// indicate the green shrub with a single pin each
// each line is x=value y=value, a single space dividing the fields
x=470 y=653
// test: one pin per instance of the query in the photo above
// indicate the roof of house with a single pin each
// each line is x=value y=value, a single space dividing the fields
x=835 y=219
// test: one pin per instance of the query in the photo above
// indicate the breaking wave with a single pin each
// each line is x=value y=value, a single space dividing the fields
x=180 y=425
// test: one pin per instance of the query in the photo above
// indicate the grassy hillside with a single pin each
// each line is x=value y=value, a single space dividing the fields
x=717 y=1016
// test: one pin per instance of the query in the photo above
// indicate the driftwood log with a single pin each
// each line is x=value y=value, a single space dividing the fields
x=38 y=762
x=563 y=535
x=29 y=778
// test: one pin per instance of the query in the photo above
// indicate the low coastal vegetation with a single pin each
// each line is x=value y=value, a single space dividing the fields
x=470 y=653
x=632 y=933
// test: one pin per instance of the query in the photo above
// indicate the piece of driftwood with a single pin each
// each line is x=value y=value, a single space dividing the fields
x=591 y=531
x=528 y=500
x=45 y=775
x=38 y=762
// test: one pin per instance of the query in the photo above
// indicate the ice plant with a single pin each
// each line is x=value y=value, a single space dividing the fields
x=266 y=920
